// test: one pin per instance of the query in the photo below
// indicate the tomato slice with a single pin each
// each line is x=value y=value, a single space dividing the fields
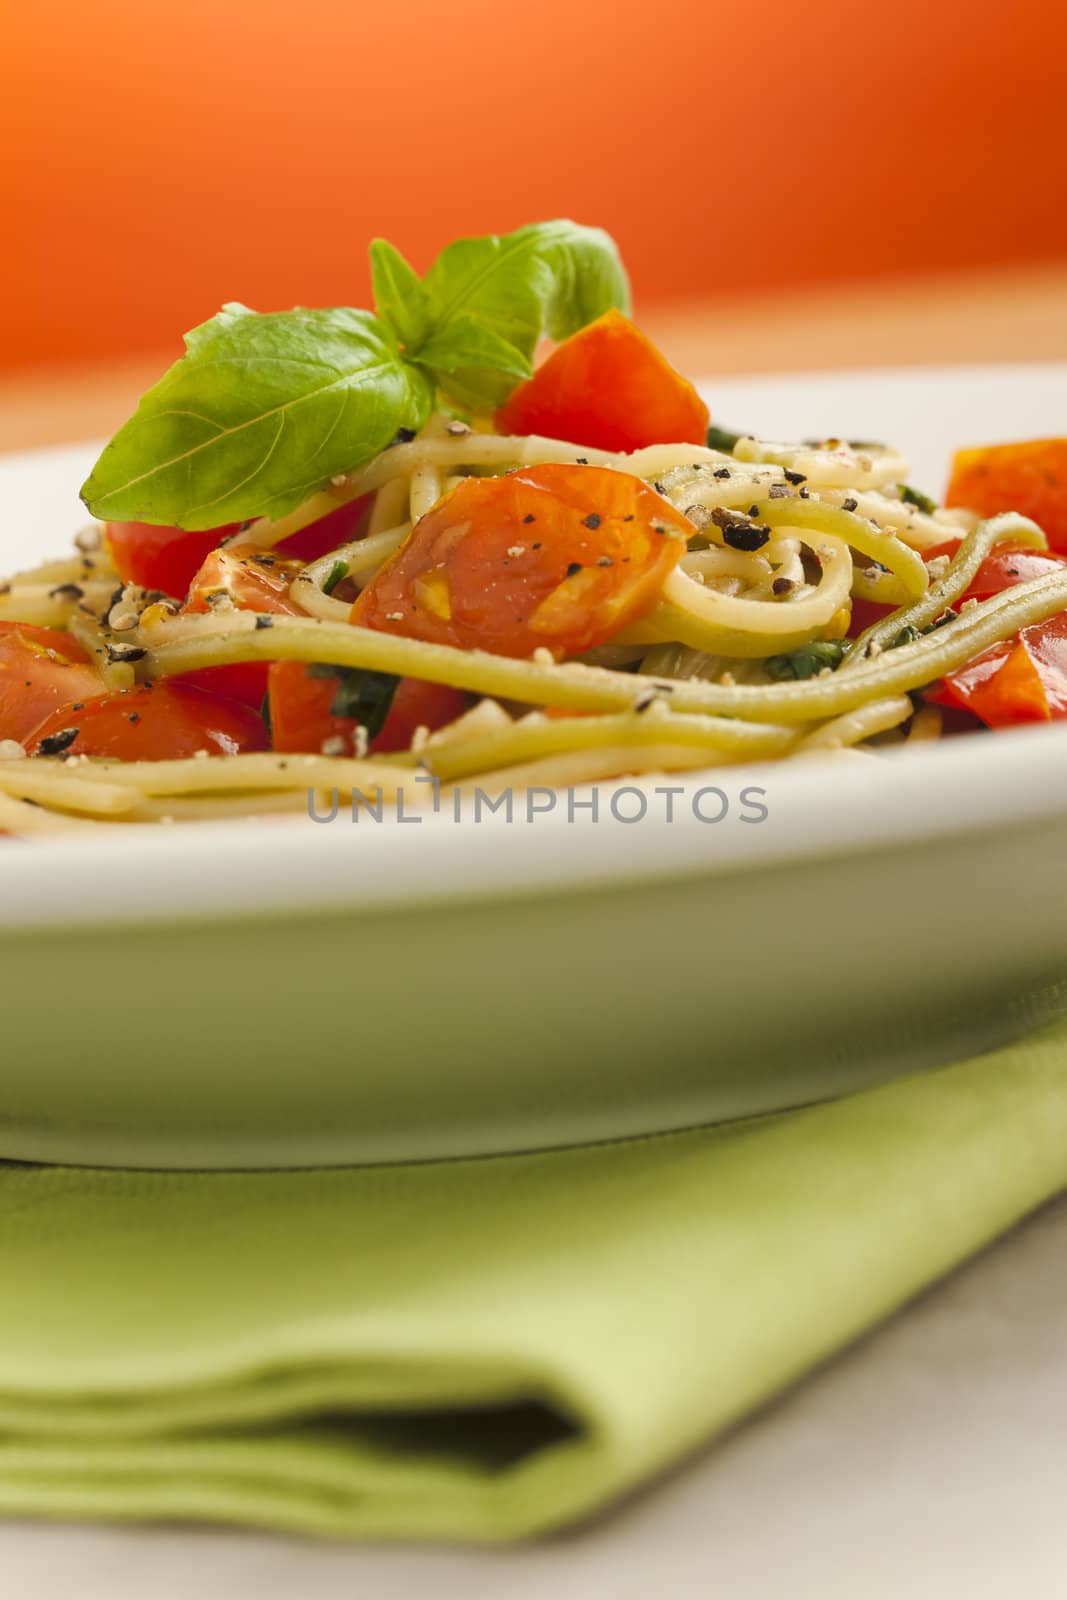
x=609 y=387
x=157 y=722
x=1030 y=478
x=301 y=718
x=556 y=557
x=40 y=669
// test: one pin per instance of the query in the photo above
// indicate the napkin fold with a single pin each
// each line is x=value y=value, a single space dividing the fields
x=481 y=1350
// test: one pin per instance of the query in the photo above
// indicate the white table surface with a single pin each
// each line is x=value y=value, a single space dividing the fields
x=927 y=1462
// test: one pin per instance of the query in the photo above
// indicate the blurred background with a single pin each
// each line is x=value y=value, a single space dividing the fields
x=766 y=166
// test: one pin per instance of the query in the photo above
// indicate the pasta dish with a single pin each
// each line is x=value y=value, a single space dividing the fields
x=336 y=551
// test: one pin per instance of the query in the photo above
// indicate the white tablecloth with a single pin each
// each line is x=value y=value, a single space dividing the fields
x=929 y=1462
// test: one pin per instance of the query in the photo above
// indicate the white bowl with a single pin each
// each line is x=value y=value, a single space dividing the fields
x=286 y=993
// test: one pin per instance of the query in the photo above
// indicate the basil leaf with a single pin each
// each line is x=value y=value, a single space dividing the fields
x=399 y=297
x=550 y=277
x=469 y=342
x=361 y=694
x=259 y=412
x=809 y=660
x=474 y=366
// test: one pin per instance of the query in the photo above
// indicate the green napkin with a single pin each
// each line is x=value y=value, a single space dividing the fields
x=481 y=1349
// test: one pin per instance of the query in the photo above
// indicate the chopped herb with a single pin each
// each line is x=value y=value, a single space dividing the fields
x=581 y=461
x=809 y=660
x=721 y=472
x=529 y=517
x=338 y=571
x=573 y=567
x=361 y=694
x=264 y=712
x=264 y=622
x=909 y=633
x=794 y=477
x=916 y=498
x=722 y=439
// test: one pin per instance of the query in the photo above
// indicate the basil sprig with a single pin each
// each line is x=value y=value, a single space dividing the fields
x=263 y=409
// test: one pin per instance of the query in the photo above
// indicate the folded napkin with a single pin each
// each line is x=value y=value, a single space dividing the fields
x=481 y=1349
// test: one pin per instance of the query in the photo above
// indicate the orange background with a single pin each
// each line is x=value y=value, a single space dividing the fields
x=159 y=158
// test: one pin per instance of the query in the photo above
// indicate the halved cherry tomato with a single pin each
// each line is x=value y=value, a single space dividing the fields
x=40 y=669
x=337 y=527
x=157 y=722
x=159 y=557
x=301 y=718
x=557 y=557
x=1021 y=680
x=255 y=580
x=609 y=387
x=168 y=559
x=1030 y=478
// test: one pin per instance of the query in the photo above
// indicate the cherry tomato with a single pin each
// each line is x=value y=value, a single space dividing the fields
x=301 y=718
x=609 y=387
x=1021 y=680
x=255 y=580
x=337 y=527
x=159 y=557
x=556 y=557
x=1003 y=567
x=1030 y=478
x=158 y=722
x=168 y=559
x=40 y=669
